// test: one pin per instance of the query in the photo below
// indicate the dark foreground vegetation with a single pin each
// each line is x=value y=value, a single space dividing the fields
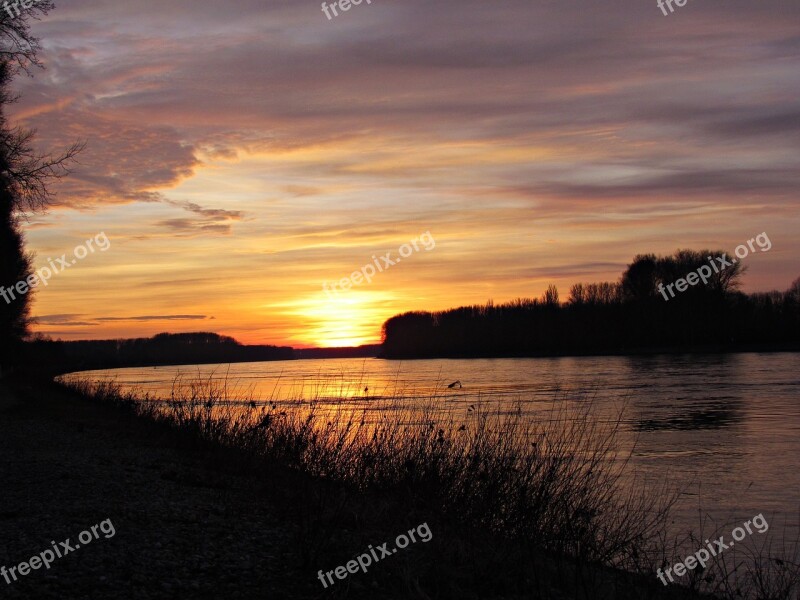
x=517 y=509
x=628 y=316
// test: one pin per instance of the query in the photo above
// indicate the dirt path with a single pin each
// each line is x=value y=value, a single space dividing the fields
x=182 y=530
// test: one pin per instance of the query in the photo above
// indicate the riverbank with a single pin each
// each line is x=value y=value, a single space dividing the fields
x=183 y=529
x=197 y=521
x=679 y=350
x=174 y=349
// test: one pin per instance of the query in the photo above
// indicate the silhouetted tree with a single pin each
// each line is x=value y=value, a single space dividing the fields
x=721 y=281
x=14 y=267
x=595 y=293
x=576 y=294
x=640 y=278
x=550 y=296
x=24 y=175
x=794 y=290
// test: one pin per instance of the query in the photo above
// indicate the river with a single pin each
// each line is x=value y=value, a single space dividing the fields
x=723 y=428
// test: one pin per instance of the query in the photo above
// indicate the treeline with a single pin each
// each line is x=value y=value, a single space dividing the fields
x=162 y=349
x=630 y=315
x=365 y=351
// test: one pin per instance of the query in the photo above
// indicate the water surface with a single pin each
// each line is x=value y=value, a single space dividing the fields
x=723 y=428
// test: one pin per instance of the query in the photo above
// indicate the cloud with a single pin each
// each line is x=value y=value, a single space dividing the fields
x=64 y=319
x=208 y=220
x=75 y=320
x=155 y=318
x=525 y=136
x=123 y=162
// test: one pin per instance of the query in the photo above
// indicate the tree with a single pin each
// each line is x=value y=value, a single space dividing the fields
x=19 y=48
x=794 y=290
x=722 y=275
x=15 y=265
x=576 y=294
x=550 y=296
x=640 y=278
x=24 y=176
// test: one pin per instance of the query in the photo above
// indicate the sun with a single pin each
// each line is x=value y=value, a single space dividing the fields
x=351 y=319
x=341 y=322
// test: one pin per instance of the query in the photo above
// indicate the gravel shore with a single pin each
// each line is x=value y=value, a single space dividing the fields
x=183 y=530
x=195 y=525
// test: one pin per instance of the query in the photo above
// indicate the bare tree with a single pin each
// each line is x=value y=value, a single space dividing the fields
x=19 y=48
x=24 y=175
x=550 y=296
x=577 y=294
x=28 y=173
x=794 y=290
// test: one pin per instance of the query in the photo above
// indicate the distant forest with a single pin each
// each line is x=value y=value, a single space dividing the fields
x=162 y=349
x=169 y=349
x=629 y=315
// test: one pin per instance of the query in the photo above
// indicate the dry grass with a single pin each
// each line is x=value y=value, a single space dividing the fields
x=760 y=567
x=549 y=486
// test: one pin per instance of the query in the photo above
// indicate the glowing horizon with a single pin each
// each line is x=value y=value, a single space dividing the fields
x=238 y=160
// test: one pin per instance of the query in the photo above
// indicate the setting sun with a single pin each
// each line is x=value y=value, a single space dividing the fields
x=348 y=320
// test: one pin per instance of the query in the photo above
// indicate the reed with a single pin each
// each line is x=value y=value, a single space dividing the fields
x=549 y=486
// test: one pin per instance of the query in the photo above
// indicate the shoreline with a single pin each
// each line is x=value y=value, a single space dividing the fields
x=74 y=366
x=165 y=492
x=69 y=463
x=649 y=351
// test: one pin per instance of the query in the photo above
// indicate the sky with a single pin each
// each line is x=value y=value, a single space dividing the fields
x=244 y=155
